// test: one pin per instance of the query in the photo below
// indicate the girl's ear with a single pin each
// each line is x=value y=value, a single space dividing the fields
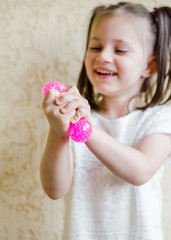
x=151 y=67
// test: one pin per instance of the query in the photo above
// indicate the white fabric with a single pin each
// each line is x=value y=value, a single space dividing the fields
x=100 y=205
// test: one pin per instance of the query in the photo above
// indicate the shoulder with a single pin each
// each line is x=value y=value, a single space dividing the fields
x=155 y=135
x=159 y=110
x=154 y=120
x=156 y=115
x=157 y=119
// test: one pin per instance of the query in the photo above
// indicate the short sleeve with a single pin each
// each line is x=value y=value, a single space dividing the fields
x=156 y=120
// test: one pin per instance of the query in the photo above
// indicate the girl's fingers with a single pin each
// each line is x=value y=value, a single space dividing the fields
x=73 y=89
x=82 y=112
x=69 y=106
x=71 y=94
x=50 y=96
x=78 y=104
x=71 y=100
x=76 y=117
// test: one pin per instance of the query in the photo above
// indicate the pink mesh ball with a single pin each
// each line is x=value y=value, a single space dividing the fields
x=79 y=131
x=53 y=85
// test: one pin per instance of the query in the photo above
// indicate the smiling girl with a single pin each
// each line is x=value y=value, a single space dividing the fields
x=111 y=183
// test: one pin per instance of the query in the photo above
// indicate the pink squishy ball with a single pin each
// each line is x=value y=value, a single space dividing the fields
x=53 y=85
x=79 y=131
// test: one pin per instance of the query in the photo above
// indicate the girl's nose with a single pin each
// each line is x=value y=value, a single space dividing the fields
x=105 y=55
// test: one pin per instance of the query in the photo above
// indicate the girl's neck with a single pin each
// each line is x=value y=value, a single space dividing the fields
x=115 y=108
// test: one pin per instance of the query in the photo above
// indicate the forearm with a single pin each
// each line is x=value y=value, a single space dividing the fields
x=56 y=168
x=126 y=162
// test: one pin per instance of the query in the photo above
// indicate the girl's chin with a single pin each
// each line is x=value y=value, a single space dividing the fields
x=104 y=90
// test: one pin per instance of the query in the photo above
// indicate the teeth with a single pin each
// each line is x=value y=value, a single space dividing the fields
x=105 y=72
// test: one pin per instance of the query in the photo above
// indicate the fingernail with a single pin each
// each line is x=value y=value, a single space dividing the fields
x=58 y=101
x=55 y=92
x=63 y=110
x=74 y=119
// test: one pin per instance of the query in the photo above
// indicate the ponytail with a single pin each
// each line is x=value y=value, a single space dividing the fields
x=162 y=18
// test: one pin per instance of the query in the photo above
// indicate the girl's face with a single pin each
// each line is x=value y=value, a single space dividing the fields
x=115 y=60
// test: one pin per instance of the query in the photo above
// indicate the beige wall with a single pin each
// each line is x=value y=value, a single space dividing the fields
x=40 y=41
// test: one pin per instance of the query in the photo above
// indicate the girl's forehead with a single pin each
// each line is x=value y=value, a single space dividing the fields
x=109 y=20
x=113 y=26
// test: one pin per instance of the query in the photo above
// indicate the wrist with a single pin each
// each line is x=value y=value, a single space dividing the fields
x=58 y=137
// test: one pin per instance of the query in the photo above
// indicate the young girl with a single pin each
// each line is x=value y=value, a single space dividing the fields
x=111 y=183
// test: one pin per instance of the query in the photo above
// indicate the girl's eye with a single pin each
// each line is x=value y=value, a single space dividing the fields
x=120 y=51
x=95 y=48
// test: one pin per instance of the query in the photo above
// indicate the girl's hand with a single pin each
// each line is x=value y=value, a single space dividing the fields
x=72 y=101
x=58 y=121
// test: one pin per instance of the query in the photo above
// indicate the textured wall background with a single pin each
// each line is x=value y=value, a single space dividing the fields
x=40 y=41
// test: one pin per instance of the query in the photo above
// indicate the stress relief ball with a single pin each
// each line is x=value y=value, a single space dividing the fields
x=79 y=131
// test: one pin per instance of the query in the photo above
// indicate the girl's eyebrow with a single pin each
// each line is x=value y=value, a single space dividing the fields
x=95 y=38
x=116 y=40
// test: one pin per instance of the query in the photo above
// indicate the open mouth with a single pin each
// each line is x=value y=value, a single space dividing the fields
x=105 y=73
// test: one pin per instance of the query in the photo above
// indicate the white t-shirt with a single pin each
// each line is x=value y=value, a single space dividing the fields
x=102 y=206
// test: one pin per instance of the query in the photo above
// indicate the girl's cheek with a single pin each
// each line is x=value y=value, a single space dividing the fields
x=89 y=64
